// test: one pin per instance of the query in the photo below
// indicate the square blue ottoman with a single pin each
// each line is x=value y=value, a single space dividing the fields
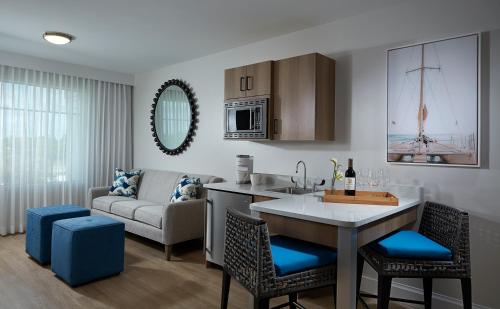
x=87 y=248
x=39 y=228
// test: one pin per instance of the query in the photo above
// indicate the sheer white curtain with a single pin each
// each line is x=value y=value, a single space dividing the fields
x=59 y=135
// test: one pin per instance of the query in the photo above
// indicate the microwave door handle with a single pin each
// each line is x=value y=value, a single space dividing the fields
x=252 y=119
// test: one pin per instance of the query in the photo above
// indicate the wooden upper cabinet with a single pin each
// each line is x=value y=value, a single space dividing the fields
x=234 y=83
x=304 y=98
x=258 y=81
x=248 y=81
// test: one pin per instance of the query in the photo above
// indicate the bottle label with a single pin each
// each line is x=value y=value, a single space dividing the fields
x=350 y=183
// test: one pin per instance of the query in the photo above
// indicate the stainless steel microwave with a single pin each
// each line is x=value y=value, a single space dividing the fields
x=246 y=119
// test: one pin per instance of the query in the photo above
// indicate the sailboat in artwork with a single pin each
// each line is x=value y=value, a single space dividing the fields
x=450 y=147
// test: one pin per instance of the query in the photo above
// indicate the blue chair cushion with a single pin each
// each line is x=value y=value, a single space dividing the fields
x=39 y=228
x=411 y=244
x=293 y=255
x=88 y=248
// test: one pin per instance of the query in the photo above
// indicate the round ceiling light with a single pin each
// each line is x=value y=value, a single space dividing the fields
x=58 y=38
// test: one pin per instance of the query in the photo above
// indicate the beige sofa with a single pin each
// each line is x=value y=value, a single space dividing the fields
x=152 y=215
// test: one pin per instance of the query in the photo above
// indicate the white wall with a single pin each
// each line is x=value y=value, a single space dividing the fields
x=45 y=65
x=358 y=44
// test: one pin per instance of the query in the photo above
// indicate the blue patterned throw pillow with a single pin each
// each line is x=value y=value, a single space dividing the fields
x=125 y=183
x=187 y=189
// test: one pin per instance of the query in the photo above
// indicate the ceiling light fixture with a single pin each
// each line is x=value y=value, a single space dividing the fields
x=58 y=38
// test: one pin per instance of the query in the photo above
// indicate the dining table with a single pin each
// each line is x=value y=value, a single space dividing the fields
x=345 y=227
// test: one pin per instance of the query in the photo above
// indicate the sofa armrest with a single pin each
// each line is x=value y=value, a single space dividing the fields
x=95 y=192
x=183 y=221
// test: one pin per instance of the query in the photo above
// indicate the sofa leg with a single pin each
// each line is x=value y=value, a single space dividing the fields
x=168 y=252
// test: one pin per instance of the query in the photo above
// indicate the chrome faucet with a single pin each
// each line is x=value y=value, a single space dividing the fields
x=305 y=172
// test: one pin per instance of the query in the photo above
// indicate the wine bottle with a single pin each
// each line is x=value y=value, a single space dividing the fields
x=350 y=179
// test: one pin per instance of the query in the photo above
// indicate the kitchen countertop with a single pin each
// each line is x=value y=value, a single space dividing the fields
x=262 y=190
x=311 y=208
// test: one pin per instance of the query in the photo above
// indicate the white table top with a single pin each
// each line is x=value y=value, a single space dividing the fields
x=347 y=215
x=309 y=206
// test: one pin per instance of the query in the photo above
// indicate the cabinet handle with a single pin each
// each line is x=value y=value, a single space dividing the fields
x=205 y=213
x=242 y=83
x=211 y=203
x=248 y=83
x=275 y=126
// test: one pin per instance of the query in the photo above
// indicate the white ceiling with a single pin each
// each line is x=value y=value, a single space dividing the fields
x=133 y=36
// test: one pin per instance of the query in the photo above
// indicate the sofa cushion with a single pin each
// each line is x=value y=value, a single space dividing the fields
x=125 y=183
x=104 y=203
x=127 y=209
x=151 y=215
x=156 y=186
x=187 y=189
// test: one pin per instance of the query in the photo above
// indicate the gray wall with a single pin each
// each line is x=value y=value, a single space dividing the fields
x=358 y=44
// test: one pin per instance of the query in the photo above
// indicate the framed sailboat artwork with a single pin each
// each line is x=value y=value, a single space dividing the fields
x=433 y=103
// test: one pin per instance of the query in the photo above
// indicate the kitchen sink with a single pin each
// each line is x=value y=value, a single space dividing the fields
x=292 y=190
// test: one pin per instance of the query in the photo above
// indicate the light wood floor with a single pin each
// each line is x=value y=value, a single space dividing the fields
x=147 y=282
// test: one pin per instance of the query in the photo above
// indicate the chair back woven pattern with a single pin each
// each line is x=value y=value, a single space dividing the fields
x=449 y=227
x=247 y=253
x=248 y=259
x=446 y=225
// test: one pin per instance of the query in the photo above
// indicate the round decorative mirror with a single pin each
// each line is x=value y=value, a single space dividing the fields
x=173 y=117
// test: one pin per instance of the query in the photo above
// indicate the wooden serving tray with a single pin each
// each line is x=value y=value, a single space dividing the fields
x=361 y=197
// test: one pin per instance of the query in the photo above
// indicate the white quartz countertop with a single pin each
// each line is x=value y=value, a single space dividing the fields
x=311 y=208
x=262 y=190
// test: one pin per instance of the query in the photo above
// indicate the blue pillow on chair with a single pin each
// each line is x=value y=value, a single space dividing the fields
x=412 y=245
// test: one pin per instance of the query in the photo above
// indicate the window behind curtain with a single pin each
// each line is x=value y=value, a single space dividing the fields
x=59 y=135
x=40 y=124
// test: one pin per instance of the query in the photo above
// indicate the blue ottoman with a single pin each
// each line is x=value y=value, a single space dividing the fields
x=39 y=228
x=87 y=248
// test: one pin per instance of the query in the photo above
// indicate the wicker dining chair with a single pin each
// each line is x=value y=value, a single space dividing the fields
x=447 y=226
x=248 y=259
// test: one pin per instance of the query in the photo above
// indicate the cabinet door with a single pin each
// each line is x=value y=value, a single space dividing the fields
x=235 y=83
x=294 y=98
x=258 y=79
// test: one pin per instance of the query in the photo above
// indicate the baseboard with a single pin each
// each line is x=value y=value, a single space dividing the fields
x=369 y=285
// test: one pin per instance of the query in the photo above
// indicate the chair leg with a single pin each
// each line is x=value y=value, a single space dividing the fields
x=361 y=262
x=292 y=299
x=427 y=293
x=384 y=292
x=467 y=292
x=226 y=283
x=260 y=303
x=168 y=252
x=335 y=295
